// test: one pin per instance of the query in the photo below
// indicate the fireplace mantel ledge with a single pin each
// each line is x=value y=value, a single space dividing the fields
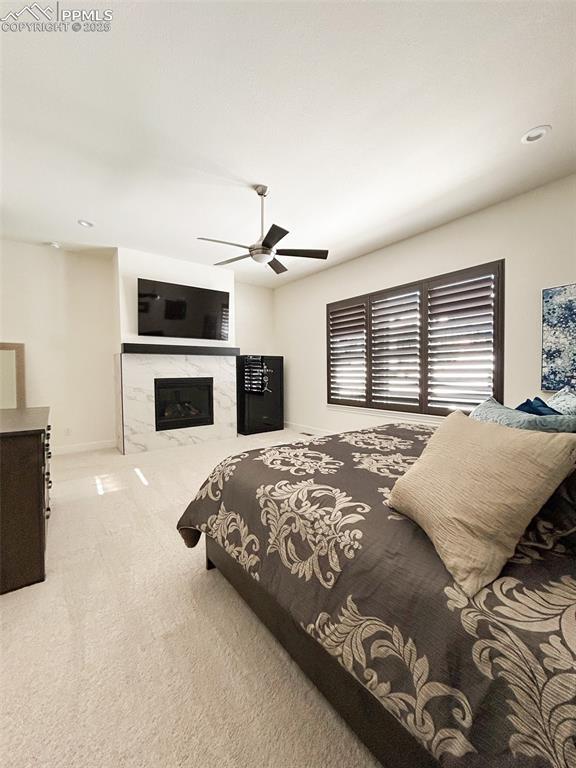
x=177 y=349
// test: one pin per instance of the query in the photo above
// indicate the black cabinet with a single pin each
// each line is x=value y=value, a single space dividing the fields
x=260 y=393
x=24 y=495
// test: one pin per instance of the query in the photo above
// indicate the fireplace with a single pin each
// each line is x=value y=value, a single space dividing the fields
x=183 y=403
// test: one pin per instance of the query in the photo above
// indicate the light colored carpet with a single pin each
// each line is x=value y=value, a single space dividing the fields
x=132 y=654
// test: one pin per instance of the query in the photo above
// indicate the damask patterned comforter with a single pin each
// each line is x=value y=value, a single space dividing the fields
x=488 y=681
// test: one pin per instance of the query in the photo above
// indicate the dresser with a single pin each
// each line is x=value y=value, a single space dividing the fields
x=24 y=495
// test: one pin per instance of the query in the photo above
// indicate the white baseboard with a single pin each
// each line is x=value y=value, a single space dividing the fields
x=82 y=447
x=307 y=428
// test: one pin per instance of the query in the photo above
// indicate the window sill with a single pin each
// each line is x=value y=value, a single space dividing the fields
x=388 y=416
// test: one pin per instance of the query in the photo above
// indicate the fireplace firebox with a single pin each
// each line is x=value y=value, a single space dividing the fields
x=183 y=403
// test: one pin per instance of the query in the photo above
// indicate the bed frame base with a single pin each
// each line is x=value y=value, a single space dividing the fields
x=388 y=741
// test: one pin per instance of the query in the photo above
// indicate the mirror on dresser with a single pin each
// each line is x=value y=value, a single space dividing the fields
x=12 y=377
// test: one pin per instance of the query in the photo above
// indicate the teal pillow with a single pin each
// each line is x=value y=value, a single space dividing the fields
x=492 y=410
x=564 y=401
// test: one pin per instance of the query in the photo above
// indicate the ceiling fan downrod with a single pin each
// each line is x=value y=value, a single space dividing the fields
x=262 y=190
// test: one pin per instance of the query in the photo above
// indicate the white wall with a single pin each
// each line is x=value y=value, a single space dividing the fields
x=134 y=264
x=255 y=320
x=535 y=233
x=60 y=305
x=65 y=307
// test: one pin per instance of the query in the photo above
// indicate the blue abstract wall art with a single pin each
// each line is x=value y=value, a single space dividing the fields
x=558 y=337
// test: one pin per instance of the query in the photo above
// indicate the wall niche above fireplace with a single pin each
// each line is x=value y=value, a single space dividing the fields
x=181 y=403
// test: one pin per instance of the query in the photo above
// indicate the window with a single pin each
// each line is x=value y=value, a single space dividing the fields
x=347 y=351
x=428 y=347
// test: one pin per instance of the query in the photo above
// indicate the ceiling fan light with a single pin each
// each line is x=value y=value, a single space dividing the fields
x=262 y=256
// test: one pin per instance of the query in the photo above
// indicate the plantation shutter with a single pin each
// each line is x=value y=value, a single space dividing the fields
x=395 y=362
x=432 y=346
x=347 y=352
x=462 y=316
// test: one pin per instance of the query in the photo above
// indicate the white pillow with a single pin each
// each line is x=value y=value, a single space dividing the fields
x=476 y=487
x=564 y=401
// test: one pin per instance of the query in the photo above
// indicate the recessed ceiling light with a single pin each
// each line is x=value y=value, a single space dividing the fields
x=84 y=223
x=535 y=134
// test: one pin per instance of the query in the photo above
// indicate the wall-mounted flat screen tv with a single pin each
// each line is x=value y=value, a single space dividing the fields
x=183 y=311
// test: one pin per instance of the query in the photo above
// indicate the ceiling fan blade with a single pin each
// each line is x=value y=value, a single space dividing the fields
x=277 y=266
x=307 y=253
x=223 y=242
x=229 y=261
x=273 y=236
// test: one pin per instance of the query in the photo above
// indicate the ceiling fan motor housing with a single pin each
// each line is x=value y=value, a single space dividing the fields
x=260 y=254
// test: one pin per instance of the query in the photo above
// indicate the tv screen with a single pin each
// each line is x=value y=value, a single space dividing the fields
x=183 y=311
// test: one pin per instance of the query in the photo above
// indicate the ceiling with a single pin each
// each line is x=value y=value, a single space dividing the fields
x=370 y=122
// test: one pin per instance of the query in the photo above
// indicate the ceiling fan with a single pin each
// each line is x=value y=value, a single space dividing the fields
x=264 y=250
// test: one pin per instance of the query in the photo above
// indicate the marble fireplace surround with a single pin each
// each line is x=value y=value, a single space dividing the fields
x=135 y=388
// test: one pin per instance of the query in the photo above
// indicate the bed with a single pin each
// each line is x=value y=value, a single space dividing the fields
x=358 y=596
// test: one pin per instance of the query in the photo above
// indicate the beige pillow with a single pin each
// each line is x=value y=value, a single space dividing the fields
x=476 y=487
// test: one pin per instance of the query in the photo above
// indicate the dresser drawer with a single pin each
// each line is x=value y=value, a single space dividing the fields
x=22 y=501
